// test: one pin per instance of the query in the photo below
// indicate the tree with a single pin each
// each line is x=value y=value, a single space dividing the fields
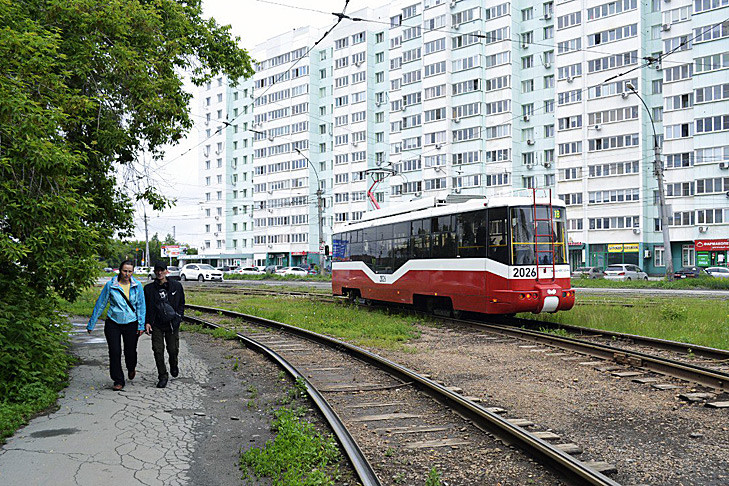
x=86 y=86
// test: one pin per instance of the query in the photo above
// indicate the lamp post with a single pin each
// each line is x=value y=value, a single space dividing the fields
x=319 y=201
x=658 y=172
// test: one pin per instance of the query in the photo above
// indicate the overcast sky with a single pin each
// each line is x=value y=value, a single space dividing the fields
x=254 y=21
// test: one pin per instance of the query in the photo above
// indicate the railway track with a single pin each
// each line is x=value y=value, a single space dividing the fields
x=383 y=403
x=635 y=353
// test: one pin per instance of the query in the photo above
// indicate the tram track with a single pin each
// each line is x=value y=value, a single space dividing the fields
x=635 y=353
x=415 y=432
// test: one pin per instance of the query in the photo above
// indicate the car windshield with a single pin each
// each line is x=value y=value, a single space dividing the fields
x=614 y=268
x=206 y=267
x=172 y=269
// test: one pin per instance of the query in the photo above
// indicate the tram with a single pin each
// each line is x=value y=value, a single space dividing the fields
x=495 y=255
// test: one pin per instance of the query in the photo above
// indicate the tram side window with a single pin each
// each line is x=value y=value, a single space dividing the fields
x=444 y=237
x=472 y=230
x=420 y=240
x=383 y=260
x=498 y=241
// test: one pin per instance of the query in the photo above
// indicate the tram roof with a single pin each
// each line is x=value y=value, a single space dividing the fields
x=434 y=206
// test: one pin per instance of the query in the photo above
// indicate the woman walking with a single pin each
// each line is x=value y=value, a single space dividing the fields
x=124 y=321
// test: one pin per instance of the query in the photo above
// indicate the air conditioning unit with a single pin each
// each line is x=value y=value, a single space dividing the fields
x=354 y=144
x=378 y=103
x=547 y=65
x=216 y=233
x=530 y=142
x=456 y=120
x=703 y=229
x=217 y=218
x=598 y=128
x=526 y=118
x=358 y=63
x=724 y=165
x=456 y=26
x=646 y=253
x=636 y=231
x=453 y=4
x=525 y=45
x=666 y=27
x=530 y=166
x=570 y=79
x=659 y=67
x=547 y=165
x=624 y=94
x=547 y=16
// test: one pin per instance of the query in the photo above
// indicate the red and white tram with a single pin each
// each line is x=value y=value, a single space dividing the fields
x=498 y=255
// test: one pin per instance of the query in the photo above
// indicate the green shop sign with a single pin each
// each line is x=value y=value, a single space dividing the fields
x=702 y=259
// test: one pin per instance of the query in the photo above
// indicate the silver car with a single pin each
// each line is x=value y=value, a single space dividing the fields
x=718 y=272
x=623 y=272
x=173 y=273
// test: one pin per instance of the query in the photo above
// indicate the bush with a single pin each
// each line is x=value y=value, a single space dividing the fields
x=33 y=354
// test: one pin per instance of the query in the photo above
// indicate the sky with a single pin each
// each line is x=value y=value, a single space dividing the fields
x=254 y=21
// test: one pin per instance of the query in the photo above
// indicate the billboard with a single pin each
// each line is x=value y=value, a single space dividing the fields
x=173 y=251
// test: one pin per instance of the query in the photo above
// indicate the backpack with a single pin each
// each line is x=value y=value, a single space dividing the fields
x=166 y=312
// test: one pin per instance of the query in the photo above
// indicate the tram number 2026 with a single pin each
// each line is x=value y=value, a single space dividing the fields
x=522 y=272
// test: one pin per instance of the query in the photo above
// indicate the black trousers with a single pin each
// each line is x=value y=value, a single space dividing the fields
x=160 y=337
x=115 y=334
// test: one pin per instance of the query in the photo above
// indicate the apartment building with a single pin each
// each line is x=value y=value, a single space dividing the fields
x=463 y=97
x=225 y=172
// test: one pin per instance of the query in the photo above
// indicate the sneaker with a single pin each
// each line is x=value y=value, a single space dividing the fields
x=132 y=374
x=162 y=383
x=117 y=386
x=174 y=371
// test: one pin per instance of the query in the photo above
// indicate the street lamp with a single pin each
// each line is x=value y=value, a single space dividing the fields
x=319 y=201
x=658 y=172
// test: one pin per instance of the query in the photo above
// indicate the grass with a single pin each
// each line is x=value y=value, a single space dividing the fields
x=703 y=283
x=695 y=321
x=377 y=329
x=298 y=455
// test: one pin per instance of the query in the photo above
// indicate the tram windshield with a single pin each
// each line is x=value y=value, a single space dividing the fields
x=550 y=242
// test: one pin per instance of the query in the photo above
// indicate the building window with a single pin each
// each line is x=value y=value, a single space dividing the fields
x=658 y=256
x=688 y=256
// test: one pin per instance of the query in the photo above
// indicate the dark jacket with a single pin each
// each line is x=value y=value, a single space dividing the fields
x=175 y=295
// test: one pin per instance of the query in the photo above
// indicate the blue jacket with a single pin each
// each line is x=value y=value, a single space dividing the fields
x=119 y=310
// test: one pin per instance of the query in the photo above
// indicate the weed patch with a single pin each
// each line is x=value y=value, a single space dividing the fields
x=298 y=455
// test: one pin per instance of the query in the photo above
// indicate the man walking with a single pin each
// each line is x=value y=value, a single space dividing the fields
x=165 y=307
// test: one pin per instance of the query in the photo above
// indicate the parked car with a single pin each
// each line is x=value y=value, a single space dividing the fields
x=718 y=272
x=281 y=270
x=142 y=270
x=588 y=272
x=273 y=268
x=228 y=269
x=296 y=271
x=108 y=269
x=689 y=272
x=249 y=271
x=624 y=272
x=201 y=272
x=173 y=273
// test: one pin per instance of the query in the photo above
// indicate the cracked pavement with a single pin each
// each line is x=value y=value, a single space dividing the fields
x=141 y=435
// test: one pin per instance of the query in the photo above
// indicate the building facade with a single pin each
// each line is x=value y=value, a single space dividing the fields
x=464 y=97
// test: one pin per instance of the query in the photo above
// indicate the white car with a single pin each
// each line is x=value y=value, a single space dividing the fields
x=200 y=272
x=625 y=272
x=249 y=271
x=295 y=271
x=719 y=272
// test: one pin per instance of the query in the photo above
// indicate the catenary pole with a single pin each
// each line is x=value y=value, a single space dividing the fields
x=658 y=173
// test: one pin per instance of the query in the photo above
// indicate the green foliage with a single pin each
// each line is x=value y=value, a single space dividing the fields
x=33 y=357
x=299 y=454
x=433 y=478
x=704 y=282
x=90 y=90
x=674 y=312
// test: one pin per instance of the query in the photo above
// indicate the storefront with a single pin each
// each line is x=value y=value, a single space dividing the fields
x=615 y=253
x=577 y=254
x=710 y=253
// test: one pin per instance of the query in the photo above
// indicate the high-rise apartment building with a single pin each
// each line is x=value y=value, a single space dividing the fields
x=464 y=97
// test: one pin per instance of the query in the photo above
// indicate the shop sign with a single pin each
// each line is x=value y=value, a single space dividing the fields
x=631 y=247
x=298 y=253
x=702 y=259
x=172 y=250
x=615 y=248
x=711 y=245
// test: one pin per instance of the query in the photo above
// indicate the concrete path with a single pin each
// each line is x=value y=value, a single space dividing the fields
x=141 y=435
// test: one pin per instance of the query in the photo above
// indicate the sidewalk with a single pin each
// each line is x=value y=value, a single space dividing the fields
x=141 y=435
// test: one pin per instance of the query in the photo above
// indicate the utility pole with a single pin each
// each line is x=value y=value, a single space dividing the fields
x=320 y=210
x=658 y=173
x=146 y=239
